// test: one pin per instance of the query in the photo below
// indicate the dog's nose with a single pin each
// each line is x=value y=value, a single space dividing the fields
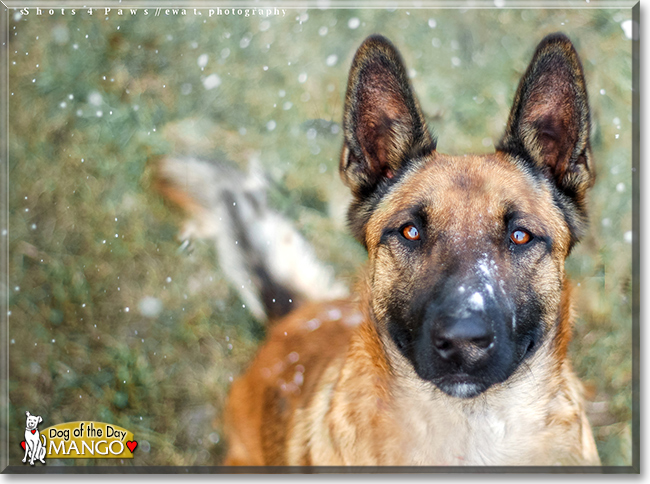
x=465 y=341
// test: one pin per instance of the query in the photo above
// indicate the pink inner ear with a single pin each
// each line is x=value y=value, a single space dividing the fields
x=374 y=136
x=550 y=114
x=550 y=132
x=384 y=119
x=549 y=149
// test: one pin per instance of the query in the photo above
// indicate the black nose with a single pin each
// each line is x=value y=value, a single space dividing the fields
x=465 y=341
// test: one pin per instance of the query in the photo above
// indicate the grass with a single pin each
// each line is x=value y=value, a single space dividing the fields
x=95 y=100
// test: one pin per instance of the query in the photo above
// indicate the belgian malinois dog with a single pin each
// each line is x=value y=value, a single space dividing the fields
x=454 y=351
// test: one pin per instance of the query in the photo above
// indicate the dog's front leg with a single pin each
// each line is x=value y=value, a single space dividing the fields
x=32 y=453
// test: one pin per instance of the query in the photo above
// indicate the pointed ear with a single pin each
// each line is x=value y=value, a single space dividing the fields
x=549 y=122
x=27 y=413
x=382 y=124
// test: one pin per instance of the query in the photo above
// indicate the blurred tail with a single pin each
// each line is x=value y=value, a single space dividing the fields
x=266 y=259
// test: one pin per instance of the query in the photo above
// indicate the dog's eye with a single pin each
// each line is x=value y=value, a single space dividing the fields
x=520 y=237
x=410 y=232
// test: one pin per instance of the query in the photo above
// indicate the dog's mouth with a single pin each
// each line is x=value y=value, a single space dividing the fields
x=464 y=385
x=461 y=386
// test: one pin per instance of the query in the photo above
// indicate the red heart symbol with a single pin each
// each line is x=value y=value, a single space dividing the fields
x=33 y=431
x=131 y=445
x=23 y=445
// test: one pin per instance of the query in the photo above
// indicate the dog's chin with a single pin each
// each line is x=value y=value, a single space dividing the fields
x=461 y=387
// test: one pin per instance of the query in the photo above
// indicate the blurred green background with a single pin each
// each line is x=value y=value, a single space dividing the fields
x=109 y=321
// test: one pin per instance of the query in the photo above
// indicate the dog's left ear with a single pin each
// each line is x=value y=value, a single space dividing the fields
x=40 y=419
x=382 y=121
x=549 y=122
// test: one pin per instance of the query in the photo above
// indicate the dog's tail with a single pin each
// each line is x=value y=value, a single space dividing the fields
x=262 y=254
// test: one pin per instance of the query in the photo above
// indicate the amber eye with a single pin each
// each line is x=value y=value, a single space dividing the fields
x=520 y=237
x=410 y=232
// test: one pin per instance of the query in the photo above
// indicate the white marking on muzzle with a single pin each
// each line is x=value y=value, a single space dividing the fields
x=476 y=302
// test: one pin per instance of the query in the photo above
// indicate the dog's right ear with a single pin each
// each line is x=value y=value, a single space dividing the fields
x=382 y=123
x=27 y=413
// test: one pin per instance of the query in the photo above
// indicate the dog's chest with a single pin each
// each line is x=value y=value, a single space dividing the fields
x=464 y=435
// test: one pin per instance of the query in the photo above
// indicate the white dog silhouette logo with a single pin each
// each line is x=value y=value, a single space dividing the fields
x=34 y=447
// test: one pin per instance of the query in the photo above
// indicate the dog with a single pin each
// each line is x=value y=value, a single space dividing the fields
x=34 y=446
x=454 y=349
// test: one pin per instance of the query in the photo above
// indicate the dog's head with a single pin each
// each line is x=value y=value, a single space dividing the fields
x=467 y=252
x=32 y=421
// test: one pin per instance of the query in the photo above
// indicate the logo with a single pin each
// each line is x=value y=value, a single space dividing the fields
x=76 y=440
x=34 y=443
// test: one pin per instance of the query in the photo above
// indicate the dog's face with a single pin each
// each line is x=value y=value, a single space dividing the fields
x=467 y=253
x=468 y=268
x=32 y=421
